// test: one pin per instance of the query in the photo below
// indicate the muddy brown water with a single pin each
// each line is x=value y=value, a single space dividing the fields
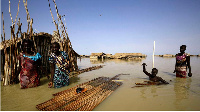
x=180 y=94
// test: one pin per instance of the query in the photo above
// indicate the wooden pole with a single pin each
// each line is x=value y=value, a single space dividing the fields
x=13 y=48
x=28 y=16
x=153 y=53
x=6 y=74
x=56 y=25
x=65 y=43
x=3 y=30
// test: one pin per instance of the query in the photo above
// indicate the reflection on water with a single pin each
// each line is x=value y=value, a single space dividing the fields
x=171 y=74
x=154 y=91
x=180 y=94
x=149 y=91
x=181 y=87
x=182 y=91
x=96 y=61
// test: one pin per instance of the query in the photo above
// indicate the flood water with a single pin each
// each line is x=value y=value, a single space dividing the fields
x=181 y=94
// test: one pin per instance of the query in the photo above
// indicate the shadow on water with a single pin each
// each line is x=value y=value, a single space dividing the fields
x=74 y=79
x=100 y=61
x=44 y=81
x=143 y=78
x=79 y=67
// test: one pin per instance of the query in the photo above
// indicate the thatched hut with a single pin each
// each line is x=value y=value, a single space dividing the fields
x=10 y=49
x=43 y=44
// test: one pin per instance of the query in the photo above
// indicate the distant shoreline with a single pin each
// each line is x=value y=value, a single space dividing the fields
x=103 y=55
x=163 y=55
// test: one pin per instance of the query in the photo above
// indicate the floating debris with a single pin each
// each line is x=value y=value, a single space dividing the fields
x=75 y=73
x=89 y=69
x=125 y=74
x=118 y=80
x=83 y=97
x=145 y=83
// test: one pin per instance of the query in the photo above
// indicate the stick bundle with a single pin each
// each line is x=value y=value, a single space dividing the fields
x=89 y=69
x=79 y=71
x=96 y=91
x=65 y=44
x=145 y=83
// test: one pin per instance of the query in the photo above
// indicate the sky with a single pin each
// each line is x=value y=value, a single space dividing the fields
x=116 y=26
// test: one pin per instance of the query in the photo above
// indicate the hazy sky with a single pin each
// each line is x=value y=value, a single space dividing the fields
x=117 y=26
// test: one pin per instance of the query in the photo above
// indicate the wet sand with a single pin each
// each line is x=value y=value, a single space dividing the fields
x=181 y=94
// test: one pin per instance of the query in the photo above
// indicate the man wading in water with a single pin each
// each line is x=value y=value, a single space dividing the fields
x=153 y=77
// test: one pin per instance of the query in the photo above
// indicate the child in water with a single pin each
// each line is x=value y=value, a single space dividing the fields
x=152 y=76
x=59 y=64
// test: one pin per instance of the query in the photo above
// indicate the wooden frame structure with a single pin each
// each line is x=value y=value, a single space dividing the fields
x=10 y=48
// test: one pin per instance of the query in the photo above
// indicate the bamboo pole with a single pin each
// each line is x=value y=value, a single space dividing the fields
x=153 y=53
x=10 y=55
x=6 y=70
x=28 y=16
x=13 y=52
x=63 y=30
x=31 y=29
x=56 y=25
x=65 y=44
x=61 y=24
x=10 y=13
x=16 y=15
x=3 y=29
x=19 y=31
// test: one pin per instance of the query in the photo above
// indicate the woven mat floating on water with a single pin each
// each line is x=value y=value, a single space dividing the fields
x=96 y=91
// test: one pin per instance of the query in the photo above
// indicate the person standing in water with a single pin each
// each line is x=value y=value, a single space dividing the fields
x=182 y=63
x=29 y=63
x=59 y=64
